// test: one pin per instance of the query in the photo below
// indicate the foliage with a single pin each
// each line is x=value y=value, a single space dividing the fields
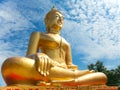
x=113 y=75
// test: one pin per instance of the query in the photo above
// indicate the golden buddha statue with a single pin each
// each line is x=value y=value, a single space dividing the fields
x=52 y=63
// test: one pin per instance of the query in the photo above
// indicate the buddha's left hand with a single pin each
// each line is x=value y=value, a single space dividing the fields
x=72 y=67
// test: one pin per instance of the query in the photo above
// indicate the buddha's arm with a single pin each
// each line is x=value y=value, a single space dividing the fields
x=41 y=60
x=33 y=43
x=69 y=58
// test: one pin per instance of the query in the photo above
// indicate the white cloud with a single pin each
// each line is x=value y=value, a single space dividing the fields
x=11 y=18
x=97 y=35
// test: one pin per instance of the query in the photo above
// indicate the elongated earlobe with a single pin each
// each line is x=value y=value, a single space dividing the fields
x=46 y=21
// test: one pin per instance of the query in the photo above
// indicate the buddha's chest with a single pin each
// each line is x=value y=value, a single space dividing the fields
x=51 y=41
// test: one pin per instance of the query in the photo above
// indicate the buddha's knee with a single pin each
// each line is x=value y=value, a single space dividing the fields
x=20 y=70
x=16 y=63
x=7 y=66
x=102 y=76
x=99 y=77
x=15 y=69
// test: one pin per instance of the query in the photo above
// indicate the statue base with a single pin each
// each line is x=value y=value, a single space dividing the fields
x=99 y=87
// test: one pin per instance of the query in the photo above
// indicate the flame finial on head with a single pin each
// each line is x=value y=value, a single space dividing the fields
x=54 y=8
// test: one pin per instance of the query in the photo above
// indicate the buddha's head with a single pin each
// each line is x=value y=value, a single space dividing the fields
x=54 y=20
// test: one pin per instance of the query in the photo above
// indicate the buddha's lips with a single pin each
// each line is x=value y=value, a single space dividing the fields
x=59 y=22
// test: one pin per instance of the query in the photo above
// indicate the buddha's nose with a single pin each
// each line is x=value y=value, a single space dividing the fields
x=60 y=21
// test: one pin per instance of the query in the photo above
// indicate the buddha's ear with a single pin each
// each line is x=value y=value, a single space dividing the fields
x=46 y=21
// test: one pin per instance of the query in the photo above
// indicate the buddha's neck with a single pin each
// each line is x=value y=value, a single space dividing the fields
x=54 y=31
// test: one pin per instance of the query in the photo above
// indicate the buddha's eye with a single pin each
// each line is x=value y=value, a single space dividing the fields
x=57 y=16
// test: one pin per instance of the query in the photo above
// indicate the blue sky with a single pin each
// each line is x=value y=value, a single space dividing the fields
x=92 y=27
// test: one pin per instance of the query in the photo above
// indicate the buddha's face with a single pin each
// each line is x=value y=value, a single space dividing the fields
x=55 y=21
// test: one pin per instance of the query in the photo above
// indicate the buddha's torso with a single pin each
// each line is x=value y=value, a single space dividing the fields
x=54 y=46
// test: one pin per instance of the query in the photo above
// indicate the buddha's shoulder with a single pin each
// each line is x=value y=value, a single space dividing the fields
x=36 y=33
x=65 y=42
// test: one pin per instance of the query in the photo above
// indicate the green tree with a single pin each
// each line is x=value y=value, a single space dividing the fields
x=91 y=67
x=112 y=75
x=98 y=67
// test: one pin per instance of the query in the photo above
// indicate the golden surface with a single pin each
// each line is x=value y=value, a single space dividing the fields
x=60 y=88
x=48 y=60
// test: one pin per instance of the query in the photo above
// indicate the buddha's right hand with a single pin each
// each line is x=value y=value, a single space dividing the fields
x=43 y=64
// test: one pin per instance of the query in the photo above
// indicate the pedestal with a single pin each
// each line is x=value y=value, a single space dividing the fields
x=59 y=88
